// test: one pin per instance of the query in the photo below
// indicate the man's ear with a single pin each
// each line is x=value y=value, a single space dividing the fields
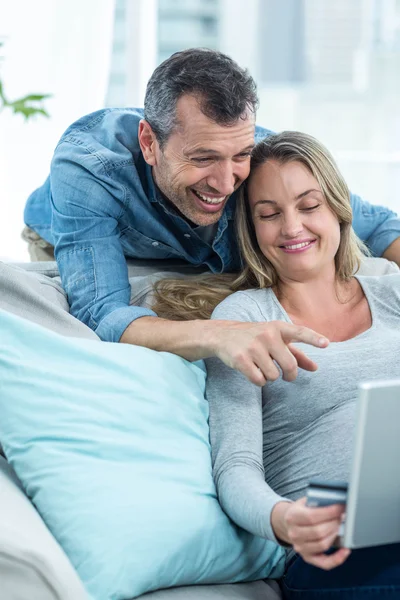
x=148 y=142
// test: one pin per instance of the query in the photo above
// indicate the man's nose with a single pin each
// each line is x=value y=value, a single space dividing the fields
x=223 y=178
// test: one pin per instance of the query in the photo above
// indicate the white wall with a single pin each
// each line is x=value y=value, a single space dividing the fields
x=57 y=46
x=239 y=32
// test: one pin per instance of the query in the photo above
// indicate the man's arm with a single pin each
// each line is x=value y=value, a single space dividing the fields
x=378 y=227
x=393 y=252
x=251 y=348
x=87 y=204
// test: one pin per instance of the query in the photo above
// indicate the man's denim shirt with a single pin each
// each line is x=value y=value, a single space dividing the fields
x=100 y=204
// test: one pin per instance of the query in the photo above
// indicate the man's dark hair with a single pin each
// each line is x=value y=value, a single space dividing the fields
x=224 y=90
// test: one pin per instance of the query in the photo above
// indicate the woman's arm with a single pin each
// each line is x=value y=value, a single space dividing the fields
x=236 y=434
x=236 y=443
x=236 y=430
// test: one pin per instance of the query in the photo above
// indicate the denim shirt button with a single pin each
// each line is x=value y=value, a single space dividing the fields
x=155 y=243
x=187 y=235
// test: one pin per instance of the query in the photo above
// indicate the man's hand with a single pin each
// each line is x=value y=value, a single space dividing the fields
x=252 y=349
x=311 y=531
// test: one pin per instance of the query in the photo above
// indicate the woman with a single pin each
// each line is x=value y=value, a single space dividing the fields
x=300 y=253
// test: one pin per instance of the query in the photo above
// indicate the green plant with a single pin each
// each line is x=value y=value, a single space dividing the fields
x=28 y=106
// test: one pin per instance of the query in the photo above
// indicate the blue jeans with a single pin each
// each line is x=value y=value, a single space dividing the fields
x=368 y=573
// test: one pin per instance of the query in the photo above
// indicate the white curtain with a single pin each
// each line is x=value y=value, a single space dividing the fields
x=60 y=47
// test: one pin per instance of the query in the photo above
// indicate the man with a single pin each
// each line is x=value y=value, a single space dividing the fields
x=160 y=185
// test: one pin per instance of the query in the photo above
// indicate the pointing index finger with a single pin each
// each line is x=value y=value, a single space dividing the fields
x=296 y=333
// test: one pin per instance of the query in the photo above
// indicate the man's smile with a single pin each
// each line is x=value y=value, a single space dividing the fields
x=208 y=198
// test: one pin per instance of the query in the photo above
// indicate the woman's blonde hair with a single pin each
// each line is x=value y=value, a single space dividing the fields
x=196 y=297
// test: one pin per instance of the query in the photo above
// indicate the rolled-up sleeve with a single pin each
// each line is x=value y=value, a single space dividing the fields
x=375 y=225
x=87 y=203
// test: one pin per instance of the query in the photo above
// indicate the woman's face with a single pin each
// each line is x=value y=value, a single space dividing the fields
x=295 y=228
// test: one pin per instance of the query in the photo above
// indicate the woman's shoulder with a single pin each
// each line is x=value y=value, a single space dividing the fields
x=381 y=282
x=248 y=305
x=383 y=288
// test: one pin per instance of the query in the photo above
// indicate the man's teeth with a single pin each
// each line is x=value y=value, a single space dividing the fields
x=209 y=200
x=296 y=246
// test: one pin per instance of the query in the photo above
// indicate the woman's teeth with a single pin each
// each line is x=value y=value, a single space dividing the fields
x=209 y=200
x=296 y=246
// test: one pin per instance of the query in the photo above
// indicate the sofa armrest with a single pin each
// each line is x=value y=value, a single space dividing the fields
x=32 y=564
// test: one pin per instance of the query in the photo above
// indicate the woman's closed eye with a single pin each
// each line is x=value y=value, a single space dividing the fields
x=271 y=216
x=310 y=208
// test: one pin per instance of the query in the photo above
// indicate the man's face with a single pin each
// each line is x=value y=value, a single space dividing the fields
x=202 y=163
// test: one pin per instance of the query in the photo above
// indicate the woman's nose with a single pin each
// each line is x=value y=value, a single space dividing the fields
x=292 y=225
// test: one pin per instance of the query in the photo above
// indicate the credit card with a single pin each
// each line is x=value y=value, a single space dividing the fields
x=324 y=493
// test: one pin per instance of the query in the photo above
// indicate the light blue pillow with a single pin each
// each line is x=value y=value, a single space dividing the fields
x=111 y=444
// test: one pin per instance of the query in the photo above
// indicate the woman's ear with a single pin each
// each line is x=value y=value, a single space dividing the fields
x=148 y=142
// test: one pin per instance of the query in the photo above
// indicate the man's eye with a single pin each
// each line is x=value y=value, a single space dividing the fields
x=310 y=208
x=243 y=155
x=202 y=160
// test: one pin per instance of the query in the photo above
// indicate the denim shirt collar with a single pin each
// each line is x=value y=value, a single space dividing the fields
x=154 y=194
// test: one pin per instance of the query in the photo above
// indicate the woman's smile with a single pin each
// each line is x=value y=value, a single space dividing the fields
x=298 y=246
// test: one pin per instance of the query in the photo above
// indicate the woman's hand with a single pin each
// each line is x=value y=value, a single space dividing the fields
x=254 y=348
x=311 y=531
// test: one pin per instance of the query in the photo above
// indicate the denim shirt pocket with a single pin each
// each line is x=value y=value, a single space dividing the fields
x=138 y=245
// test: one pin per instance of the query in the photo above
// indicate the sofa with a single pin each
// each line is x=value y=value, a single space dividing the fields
x=32 y=563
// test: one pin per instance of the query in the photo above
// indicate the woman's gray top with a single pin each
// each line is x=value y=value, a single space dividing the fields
x=267 y=443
